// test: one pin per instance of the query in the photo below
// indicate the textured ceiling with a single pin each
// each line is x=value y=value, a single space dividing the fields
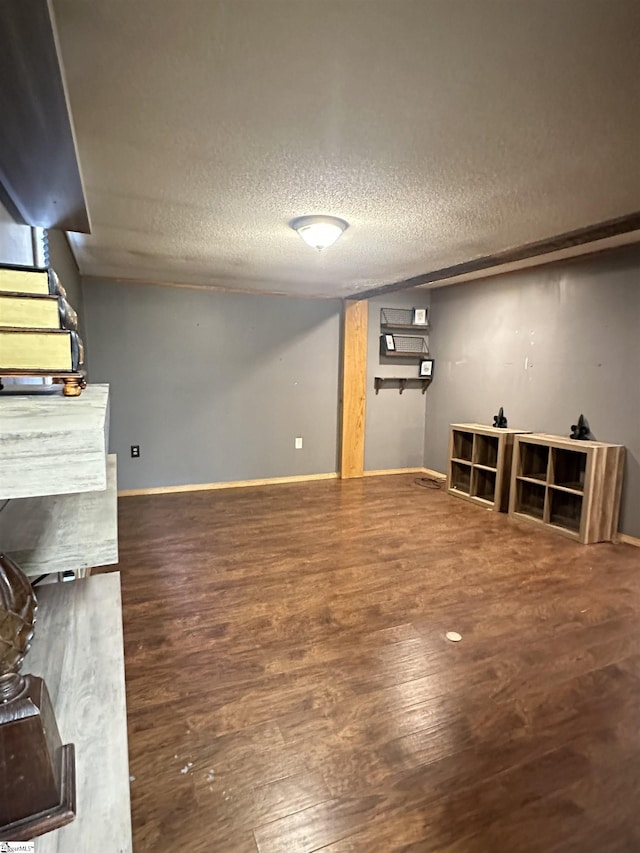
x=441 y=130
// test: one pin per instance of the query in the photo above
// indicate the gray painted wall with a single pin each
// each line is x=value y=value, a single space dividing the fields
x=547 y=344
x=395 y=423
x=215 y=387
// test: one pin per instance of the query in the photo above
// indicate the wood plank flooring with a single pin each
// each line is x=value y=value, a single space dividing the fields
x=290 y=688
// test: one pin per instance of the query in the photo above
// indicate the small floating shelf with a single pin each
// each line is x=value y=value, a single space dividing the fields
x=401 y=318
x=380 y=381
x=403 y=346
x=422 y=327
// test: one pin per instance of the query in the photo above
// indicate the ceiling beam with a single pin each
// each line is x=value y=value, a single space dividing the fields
x=590 y=234
x=40 y=181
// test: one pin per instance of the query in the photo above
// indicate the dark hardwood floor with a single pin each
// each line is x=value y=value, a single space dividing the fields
x=290 y=687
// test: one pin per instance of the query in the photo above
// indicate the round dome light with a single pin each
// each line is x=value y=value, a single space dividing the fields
x=319 y=232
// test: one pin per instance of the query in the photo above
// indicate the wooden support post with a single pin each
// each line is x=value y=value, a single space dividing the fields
x=354 y=388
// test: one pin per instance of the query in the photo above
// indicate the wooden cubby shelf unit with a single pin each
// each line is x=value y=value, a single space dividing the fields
x=480 y=464
x=572 y=487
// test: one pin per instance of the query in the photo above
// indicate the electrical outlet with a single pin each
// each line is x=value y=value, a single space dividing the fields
x=299 y=442
x=135 y=451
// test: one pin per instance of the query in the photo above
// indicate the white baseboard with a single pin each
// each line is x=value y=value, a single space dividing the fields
x=233 y=484
x=625 y=539
x=383 y=472
x=270 y=481
x=437 y=475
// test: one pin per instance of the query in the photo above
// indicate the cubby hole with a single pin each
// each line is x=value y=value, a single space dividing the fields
x=484 y=484
x=530 y=499
x=534 y=459
x=486 y=450
x=461 y=477
x=565 y=509
x=462 y=445
x=568 y=468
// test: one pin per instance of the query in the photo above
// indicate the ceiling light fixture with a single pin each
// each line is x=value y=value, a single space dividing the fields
x=319 y=232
